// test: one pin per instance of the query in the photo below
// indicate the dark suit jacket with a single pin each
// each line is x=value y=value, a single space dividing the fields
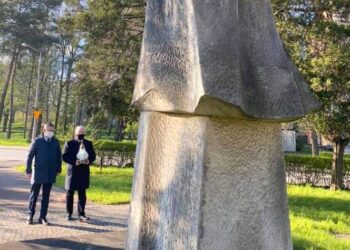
x=77 y=177
x=47 y=161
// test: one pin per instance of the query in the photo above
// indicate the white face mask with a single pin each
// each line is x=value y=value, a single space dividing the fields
x=49 y=134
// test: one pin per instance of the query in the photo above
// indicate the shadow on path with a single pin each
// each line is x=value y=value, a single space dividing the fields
x=66 y=244
x=104 y=241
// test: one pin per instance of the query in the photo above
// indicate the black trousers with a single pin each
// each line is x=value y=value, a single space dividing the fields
x=34 y=193
x=81 y=201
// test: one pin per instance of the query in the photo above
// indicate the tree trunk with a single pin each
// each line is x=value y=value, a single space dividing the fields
x=28 y=98
x=41 y=100
x=47 y=105
x=38 y=128
x=78 y=111
x=47 y=111
x=58 y=105
x=314 y=143
x=29 y=138
x=116 y=137
x=110 y=127
x=84 y=115
x=12 y=109
x=338 y=163
x=65 y=107
x=120 y=130
x=7 y=82
x=5 y=121
x=60 y=89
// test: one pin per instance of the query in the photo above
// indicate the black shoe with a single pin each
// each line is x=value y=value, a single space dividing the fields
x=43 y=221
x=69 y=217
x=83 y=218
x=30 y=220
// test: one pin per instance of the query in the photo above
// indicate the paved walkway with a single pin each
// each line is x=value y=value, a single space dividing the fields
x=105 y=222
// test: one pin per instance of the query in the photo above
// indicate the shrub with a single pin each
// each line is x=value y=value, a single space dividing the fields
x=114 y=153
x=330 y=154
x=109 y=146
x=313 y=170
x=314 y=162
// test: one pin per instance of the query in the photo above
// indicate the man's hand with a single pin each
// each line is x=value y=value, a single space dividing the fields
x=85 y=162
x=58 y=173
x=29 y=176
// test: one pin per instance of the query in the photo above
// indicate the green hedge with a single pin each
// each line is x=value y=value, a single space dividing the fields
x=330 y=154
x=112 y=146
x=112 y=153
x=313 y=162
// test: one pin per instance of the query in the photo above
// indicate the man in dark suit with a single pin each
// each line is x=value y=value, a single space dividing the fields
x=47 y=153
x=78 y=154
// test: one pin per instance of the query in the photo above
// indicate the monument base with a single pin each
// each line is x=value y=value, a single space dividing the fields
x=208 y=183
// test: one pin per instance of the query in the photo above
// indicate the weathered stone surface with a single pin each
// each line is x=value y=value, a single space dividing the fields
x=208 y=183
x=221 y=58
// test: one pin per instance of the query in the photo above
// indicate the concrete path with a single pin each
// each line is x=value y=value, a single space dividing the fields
x=106 y=221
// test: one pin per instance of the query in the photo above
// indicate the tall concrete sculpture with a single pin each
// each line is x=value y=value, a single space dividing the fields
x=214 y=82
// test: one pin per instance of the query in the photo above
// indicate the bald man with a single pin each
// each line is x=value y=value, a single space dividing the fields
x=79 y=154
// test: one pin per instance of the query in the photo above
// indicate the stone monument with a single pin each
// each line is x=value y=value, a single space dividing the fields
x=214 y=83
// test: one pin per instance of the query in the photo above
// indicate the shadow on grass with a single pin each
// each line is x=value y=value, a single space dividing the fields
x=322 y=216
x=302 y=244
x=315 y=208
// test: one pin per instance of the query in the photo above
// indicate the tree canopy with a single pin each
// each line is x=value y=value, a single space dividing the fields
x=317 y=36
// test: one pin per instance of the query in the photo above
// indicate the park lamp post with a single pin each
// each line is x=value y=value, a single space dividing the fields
x=36 y=104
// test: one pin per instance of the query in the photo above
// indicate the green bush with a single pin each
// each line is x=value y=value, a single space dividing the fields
x=114 y=153
x=313 y=162
x=111 y=146
x=330 y=154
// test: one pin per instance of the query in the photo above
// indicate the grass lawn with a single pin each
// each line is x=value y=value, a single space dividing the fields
x=317 y=215
x=16 y=140
x=109 y=186
x=16 y=137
